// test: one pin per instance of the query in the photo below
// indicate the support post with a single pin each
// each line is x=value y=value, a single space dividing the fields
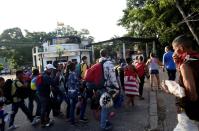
x=154 y=47
x=147 y=50
x=124 y=51
x=93 y=54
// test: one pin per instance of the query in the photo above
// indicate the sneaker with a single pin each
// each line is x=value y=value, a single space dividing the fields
x=141 y=98
x=85 y=120
x=74 y=124
x=50 y=123
x=107 y=128
x=12 y=127
x=35 y=121
x=37 y=117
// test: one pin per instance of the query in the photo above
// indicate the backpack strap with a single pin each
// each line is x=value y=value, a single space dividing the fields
x=102 y=64
x=81 y=68
x=15 y=84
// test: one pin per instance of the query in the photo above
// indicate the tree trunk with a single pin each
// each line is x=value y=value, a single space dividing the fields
x=187 y=22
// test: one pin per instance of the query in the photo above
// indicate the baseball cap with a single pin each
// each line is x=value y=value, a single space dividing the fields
x=50 y=66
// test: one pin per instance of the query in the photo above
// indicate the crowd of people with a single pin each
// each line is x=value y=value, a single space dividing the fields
x=66 y=82
x=107 y=87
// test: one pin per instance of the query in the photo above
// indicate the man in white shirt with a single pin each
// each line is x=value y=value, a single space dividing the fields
x=110 y=81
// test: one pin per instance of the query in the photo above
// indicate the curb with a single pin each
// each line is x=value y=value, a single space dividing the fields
x=153 y=114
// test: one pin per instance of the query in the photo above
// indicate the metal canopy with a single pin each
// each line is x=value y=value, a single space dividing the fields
x=128 y=39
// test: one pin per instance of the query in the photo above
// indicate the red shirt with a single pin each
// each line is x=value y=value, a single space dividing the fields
x=140 y=67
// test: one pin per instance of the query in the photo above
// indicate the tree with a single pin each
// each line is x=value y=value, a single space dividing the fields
x=59 y=51
x=37 y=37
x=1 y=67
x=10 y=35
x=62 y=31
x=13 y=40
x=159 y=17
x=179 y=5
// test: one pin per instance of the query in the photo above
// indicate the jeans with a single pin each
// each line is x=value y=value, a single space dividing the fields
x=31 y=99
x=67 y=100
x=171 y=74
x=58 y=97
x=83 y=108
x=15 y=107
x=104 y=117
x=45 y=109
x=73 y=102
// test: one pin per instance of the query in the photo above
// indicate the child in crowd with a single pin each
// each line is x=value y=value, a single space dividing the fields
x=153 y=63
x=131 y=85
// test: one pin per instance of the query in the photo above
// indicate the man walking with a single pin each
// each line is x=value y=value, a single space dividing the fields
x=84 y=94
x=110 y=77
x=169 y=63
x=43 y=92
x=18 y=102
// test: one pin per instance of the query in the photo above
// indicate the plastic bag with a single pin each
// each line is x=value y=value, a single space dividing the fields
x=185 y=124
x=175 y=89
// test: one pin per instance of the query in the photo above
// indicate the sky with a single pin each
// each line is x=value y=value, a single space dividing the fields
x=100 y=17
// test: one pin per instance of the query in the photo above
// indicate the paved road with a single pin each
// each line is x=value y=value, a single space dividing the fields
x=166 y=109
x=135 y=119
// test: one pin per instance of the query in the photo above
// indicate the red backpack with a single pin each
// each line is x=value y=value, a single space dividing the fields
x=95 y=75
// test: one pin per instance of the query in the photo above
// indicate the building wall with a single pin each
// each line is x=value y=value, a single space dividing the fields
x=67 y=47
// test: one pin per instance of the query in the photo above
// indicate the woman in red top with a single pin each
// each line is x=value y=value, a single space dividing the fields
x=141 y=69
x=130 y=82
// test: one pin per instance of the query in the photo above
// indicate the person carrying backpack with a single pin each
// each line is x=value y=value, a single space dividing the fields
x=44 y=92
x=110 y=81
x=18 y=88
x=85 y=94
x=58 y=90
x=34 y=96
x=2 y=82
x=187 y=62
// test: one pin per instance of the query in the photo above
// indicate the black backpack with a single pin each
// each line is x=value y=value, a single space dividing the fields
x=22 y=92
x=7 y=91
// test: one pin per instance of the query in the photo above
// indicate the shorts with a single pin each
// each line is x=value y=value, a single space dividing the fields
x=154 y=72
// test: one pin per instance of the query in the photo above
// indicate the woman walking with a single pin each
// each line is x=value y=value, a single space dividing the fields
x=153 y=63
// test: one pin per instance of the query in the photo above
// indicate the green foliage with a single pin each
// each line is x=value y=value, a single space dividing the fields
x=10 y=35
x=159 y=18
x=1 y=67
x=59 y=51
x=20 y=53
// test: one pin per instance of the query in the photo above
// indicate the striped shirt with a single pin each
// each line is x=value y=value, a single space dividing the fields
x=131 y=85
